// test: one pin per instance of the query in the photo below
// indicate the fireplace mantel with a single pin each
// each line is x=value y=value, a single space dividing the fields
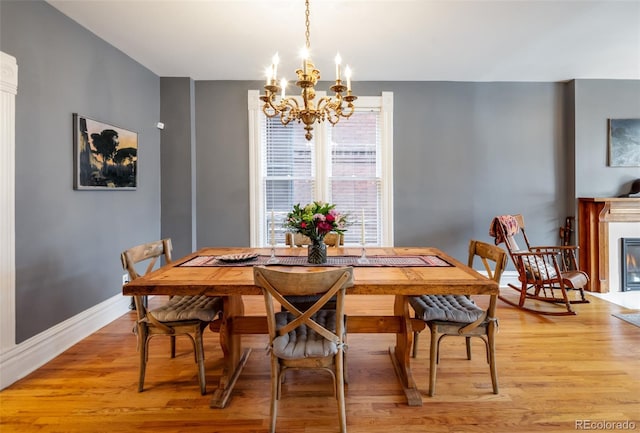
x=594 y=217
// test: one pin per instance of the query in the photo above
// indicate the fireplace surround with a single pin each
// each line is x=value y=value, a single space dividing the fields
x=630 y=264
x=599 y=220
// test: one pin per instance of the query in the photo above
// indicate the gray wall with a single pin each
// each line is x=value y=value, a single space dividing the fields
x=463 y=153
x=596 y=101
x=178 y=169
x=222 y=139
x=68 y=242
x=466 y=152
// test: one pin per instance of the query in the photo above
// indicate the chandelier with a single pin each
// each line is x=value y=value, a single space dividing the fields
x=332 y=109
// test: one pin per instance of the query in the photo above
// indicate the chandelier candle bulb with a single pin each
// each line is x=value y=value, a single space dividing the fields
x=362 y=229
x=338 y=61
x=304 y=53
x=347 y=72
x=274 y=65
x=273 y=231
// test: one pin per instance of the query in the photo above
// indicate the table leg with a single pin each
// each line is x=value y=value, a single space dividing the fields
x=234 y=357
x=401 y=353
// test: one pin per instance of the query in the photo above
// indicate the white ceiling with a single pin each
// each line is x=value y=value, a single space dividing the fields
x=395 y=40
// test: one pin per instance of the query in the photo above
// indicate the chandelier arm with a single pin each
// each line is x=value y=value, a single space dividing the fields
x=292 y=103
x=286 y=117
x=268 y=108
x=333 y=116
x=324 y=103
x=351 y=108
x=331 y=109
x=267 y=112
x=289 y=110
x=338 y=103
x=271 y=97
x=277 y=108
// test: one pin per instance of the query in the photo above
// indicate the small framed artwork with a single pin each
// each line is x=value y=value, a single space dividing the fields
x=624 y=142
x=105 y=156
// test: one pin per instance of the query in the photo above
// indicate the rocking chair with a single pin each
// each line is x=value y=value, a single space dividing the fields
x=546 y=273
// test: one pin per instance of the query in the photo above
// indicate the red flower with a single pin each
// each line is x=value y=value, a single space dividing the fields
x=330 y=217
x=303 y=225
x=324 y=227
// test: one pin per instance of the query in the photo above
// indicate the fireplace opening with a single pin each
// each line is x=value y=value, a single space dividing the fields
x=630 y=261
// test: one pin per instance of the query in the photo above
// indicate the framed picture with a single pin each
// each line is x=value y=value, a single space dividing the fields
x=105 y=156
x=624 y=142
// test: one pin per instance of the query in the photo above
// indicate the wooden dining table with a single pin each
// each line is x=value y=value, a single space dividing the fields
x=232 y=282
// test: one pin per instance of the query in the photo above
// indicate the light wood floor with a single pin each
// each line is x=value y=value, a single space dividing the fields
x=553 y=372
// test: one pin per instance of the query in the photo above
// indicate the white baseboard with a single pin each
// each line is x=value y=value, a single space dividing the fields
x=508 y=277
x=31 y=354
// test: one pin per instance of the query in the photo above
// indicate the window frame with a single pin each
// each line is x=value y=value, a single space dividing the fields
x=382 y=103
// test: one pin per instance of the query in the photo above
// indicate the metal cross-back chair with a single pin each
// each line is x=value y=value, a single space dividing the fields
x=546 y=273
x=181 y=315
x=312 y=338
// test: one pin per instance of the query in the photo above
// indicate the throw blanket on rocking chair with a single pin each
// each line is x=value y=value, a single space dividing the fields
x=510 y=225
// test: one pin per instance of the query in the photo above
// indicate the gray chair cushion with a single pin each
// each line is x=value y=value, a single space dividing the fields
x=539 y=268
x=179 y=308
x=450 y=308
x=303 y=342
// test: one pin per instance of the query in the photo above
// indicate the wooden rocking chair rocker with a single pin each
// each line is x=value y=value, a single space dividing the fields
x=546 y=273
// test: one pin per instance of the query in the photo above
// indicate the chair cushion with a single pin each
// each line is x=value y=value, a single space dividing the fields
x=179 y=308
x=451 y=308
x=540 y=269
x=303 y=342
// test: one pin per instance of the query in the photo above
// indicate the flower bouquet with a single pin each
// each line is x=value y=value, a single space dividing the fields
x=315 y=220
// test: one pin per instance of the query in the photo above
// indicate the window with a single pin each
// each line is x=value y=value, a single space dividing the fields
x=349 y=164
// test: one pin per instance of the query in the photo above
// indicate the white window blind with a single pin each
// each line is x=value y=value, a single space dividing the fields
x=288 y=173
x=349 y=164
x=354 y=174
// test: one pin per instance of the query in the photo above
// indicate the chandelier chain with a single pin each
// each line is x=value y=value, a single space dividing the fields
x=306 y=23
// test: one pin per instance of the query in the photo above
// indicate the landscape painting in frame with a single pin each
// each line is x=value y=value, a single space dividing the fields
x=105 y=156
x=624 y=142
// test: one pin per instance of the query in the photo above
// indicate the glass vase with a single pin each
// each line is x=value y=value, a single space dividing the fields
x=317 y=252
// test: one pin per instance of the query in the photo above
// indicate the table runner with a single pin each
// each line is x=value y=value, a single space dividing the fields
x=374 y=261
